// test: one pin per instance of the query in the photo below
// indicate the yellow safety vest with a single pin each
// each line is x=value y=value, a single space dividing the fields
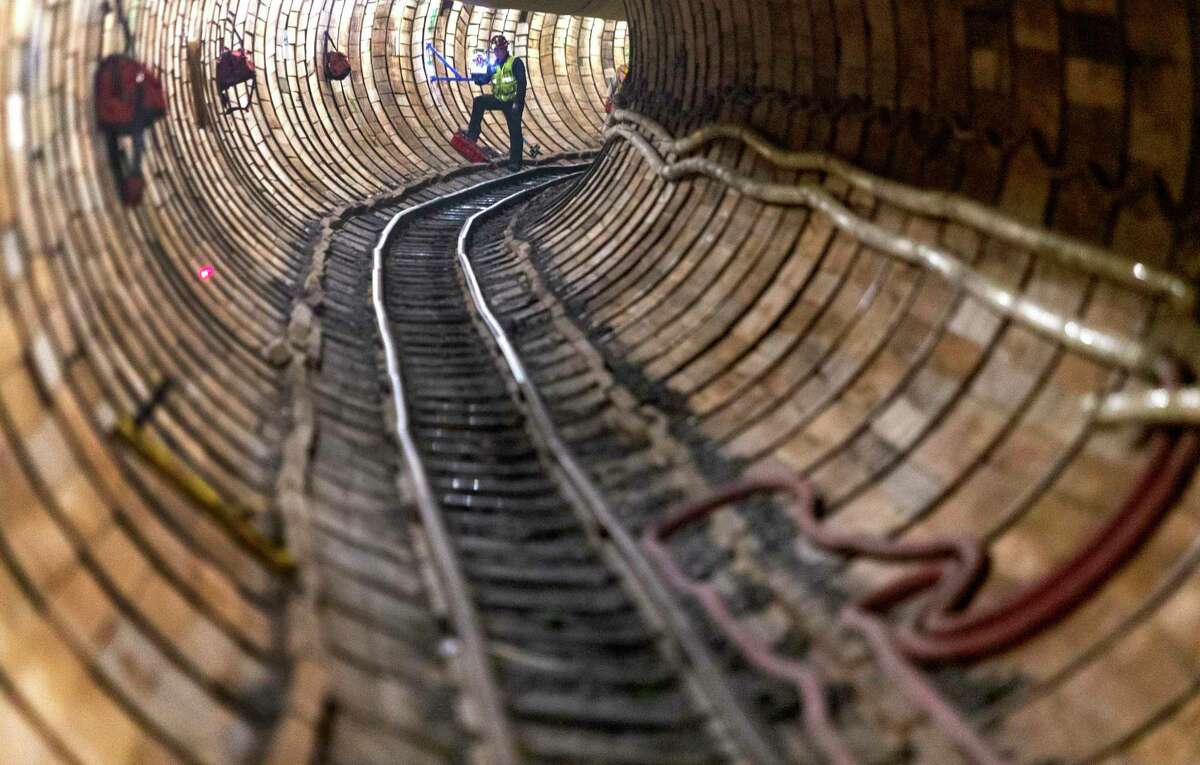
x=504 y=82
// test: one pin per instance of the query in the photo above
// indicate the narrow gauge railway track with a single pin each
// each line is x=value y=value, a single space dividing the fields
x=576 y=653
x=392 y=695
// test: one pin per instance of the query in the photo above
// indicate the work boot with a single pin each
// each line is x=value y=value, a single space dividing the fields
x=514 y=167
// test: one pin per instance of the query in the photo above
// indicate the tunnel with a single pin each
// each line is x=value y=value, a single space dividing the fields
x=820 y=389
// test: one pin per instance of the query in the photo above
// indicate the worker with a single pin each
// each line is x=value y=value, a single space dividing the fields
x=614 y=90
x=509 y=83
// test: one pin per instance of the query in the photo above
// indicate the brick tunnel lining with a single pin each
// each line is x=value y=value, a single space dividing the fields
x=1018 y=105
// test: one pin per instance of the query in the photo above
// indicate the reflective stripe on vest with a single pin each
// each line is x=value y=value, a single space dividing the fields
x=504 y=82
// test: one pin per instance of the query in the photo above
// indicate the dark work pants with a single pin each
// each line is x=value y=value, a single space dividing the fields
x=516 y=139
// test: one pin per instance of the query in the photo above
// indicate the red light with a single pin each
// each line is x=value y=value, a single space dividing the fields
x=206 y=273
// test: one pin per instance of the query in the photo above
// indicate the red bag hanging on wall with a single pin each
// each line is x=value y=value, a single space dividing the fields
x=129 y=99
x=129 y=95
x=337 y=64
x=234 y=68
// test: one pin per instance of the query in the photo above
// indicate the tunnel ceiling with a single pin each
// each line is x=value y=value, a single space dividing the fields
x=939 y=261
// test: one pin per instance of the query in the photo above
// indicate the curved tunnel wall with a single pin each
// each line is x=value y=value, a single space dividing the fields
x=915 y=410
x=135 y=629
x=132 y=627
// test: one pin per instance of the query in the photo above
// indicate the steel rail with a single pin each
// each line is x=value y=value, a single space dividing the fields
x=1154 y=407
x=479 y=676
x=637 y=571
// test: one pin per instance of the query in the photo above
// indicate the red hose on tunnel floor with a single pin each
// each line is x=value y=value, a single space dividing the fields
x=956 y=569
x=817 y=720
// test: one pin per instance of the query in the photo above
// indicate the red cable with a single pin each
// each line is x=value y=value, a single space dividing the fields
x=955 y=570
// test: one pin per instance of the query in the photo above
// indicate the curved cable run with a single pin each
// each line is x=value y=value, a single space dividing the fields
x=953 y=571
x=1111 y=348
x=1180 y=406
x=818 y=721
x=1173 y=580
x=1071 y=252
